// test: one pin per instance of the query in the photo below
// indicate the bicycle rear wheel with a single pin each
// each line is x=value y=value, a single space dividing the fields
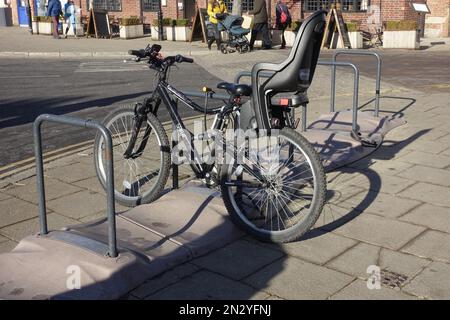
x=142 y=178
x=277 y=192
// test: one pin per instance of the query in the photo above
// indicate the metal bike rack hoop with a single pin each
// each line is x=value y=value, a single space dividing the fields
x=112 y=242
x=378 y=78
x=335 y=64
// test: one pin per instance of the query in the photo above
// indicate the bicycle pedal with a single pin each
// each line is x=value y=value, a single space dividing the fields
x=239 y=170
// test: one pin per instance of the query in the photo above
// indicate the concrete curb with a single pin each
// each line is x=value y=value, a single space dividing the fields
x=93 y=54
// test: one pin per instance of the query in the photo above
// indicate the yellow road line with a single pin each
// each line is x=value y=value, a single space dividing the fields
x=438 y=85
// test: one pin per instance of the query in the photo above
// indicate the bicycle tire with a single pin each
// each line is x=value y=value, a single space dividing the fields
x=318 y=200
x=131 y=200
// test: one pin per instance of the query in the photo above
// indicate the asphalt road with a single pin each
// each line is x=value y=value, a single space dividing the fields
x=427 y=71
x=81 y=88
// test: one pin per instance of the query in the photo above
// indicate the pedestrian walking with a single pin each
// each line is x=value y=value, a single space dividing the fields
x=216 y=11
x=69 y=16
x=54 y=11
x=283 y=20
x=260 y=24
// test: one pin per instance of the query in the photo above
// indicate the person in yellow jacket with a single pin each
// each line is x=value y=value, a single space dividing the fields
x=216 y=10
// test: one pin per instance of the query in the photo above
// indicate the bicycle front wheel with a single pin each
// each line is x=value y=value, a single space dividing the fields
x=141 y=178
x=276 y=191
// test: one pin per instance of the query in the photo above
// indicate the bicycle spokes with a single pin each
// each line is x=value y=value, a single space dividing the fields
x=285 y=193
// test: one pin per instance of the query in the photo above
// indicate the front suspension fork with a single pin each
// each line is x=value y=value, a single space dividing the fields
x=140 y=117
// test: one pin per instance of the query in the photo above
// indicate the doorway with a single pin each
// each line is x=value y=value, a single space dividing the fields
x=22 y=13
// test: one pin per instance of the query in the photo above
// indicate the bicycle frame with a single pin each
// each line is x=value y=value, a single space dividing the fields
x=163 y=91
x=201 y=170
x=169 y=95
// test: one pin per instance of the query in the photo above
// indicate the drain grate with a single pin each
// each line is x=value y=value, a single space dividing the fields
x=392 y=279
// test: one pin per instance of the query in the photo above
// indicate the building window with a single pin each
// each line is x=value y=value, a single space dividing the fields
x=246 y=5
x=229 y=4
x=108 y=5
x=150 y=5
x=346 y=5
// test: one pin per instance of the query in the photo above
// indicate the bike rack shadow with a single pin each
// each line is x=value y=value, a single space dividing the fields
x=374 y=188
x=397 y=114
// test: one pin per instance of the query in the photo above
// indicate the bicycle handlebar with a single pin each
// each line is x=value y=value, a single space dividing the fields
x=138 y=53
x=179 y=58
x=156 y=61
x=153 y=55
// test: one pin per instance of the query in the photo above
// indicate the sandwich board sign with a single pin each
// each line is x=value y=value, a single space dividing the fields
x=199 y=23
x=98 y=24
x=335 y=22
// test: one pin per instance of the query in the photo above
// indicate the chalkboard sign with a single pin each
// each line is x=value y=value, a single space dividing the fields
x=199 y=24
x=342 y=29
x=335 y=22
x=330 y=26
x=98 y=24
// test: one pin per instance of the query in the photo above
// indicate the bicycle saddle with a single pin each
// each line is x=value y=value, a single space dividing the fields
x=236 y=89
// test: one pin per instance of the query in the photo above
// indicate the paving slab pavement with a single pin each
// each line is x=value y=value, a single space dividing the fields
x=336 y=250
x=296 y=279
x=431 y=216
x=356 y=260
x=206 y=285
x=357 y=290
x=432 y=283
x=433 y=244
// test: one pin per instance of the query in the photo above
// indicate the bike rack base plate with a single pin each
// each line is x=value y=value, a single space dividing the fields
x=331 y=136
x=44 y=268
x=152 y=238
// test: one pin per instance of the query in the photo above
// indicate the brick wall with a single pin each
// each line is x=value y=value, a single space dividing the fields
x=132 y=8
x=437 y=22
x=386 y=10
x=169 y=11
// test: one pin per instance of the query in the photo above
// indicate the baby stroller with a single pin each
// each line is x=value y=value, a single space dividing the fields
x=237 y=41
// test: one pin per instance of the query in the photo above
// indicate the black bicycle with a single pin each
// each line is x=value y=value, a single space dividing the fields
x=273 y=185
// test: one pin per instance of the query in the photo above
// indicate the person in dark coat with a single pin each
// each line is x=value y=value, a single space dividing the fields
x=54 y=10
x=283 y=20
x=260 y=24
